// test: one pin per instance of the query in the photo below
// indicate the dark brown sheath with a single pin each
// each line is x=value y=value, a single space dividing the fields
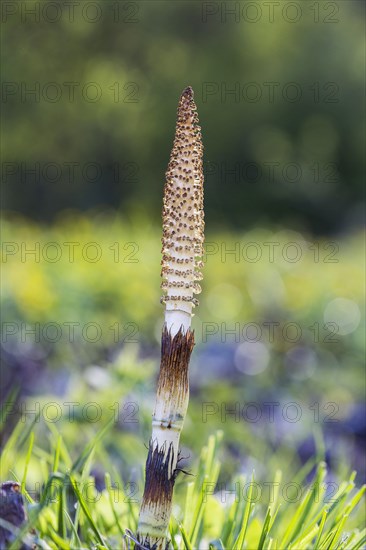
x=161 y=472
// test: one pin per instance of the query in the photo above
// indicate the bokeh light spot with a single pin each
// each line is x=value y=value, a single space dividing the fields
x=252 y=358
x=344 y=313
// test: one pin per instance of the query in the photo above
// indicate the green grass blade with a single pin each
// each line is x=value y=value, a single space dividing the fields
x=321 y=529
x=17 y=439
x=302 y=543
x=356 y=499
x=75 y=540
x=63 y=452
x=61 y=527
x=238 y=545
x=6 y=408
x=307 y=505
x=187 y=543
x=86 y=511
x=108 y=485
x=27 y=459
x=227 y=535
x=56 y=458
x=173 y=530
x=358 y=541
x=265 y=529
x=338 y=533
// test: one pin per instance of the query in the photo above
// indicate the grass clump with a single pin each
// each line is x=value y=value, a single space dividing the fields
x=69 y=507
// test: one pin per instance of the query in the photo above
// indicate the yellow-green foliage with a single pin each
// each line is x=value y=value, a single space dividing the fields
x=122 y=285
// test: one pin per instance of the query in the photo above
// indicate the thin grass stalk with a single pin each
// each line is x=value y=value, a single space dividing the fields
x=183 y=235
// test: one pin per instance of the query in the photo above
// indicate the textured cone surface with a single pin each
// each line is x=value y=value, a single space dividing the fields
x=183 y=220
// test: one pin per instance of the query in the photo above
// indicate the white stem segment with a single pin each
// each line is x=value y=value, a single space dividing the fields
x=182 y=250
x=176 y=318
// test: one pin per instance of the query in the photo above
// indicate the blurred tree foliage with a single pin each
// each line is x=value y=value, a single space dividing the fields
x=285 y=147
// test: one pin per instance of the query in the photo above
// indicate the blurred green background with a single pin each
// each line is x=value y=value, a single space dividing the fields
x=279 y=90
